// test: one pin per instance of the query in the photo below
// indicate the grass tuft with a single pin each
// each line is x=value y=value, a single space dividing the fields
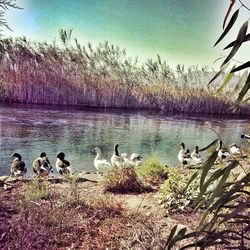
x=123 y=180
x=153 y=170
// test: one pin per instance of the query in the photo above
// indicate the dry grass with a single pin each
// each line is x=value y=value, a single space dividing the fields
x=124 y=180
x=102 y=77
x=60 y=221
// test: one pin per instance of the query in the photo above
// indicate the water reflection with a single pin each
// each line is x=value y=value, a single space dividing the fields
x=30 y=131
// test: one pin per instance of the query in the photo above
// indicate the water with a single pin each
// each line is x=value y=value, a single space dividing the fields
x=30 y=130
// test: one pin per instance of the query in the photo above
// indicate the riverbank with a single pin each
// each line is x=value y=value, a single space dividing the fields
x=81 y=216
x=76 y=212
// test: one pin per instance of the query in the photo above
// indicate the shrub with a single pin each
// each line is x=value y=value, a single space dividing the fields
x=123 y=180
x=175 y=194
x=153 y=170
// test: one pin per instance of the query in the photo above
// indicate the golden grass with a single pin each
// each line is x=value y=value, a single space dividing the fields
x=102 y=77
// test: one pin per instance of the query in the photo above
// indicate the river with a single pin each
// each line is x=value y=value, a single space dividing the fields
x=32 y=129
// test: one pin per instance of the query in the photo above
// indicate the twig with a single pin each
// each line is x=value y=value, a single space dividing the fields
x=244 y=5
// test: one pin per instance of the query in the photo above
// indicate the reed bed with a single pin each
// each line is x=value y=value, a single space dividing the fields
x=104 y=76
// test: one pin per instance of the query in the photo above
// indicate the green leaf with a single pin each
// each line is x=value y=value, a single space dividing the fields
x=228 y=12
x=246 y=38
x=229 y=26
x=222 y=181
x=238 y=42
x=216 y=175
x=178 y=237
x=243 y=90
x=171 y=235
x=243 y=66
x=210 y=145
x=245 y=101
x=219 y=73
x=226 y=81
x=239 y=84
x=206 y=166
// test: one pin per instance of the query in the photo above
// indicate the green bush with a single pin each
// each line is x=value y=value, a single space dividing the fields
x=152 y=169
x=175 y=194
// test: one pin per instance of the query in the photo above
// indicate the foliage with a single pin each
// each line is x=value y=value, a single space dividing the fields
x=242 y=37
x=152 y=169
x=175 y=194
x=5 y=5
x=225 y=220
x=123 y=180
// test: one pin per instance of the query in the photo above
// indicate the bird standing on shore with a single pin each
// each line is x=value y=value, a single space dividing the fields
x=18 y=166
x=184 y=155
x=116 y=160
x=222 y=152
x=62 y=165
x=196 y=158
x=101 y=165
x=234 y=149
x=41 y=165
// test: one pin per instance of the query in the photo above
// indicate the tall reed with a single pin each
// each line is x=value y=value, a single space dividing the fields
x=104 y=76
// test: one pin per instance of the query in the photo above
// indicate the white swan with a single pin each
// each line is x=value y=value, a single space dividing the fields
x=62 y=165
x=41 y=165
x=18 y=167
x=116 y=160
x=101 y=165
x=196 y=158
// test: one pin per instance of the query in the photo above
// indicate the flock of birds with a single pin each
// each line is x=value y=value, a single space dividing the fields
x=194 y=158
x=42 y=167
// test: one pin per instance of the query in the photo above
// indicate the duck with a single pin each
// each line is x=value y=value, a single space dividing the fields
x=222 y=152
x=196 y=158
x=62 y=165
x=116 y=160
x=41 y=165
x=18 y=167
x=101 y=165
x=133 y=161
x=136 y=158
x=245 y=136
x=234 y=149
x=184 y=155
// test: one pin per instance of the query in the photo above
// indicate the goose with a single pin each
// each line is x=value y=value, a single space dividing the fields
x=184 y=156
x=234 y=149
x=134 y=161
x=222 y=152
x=136 y=158
x=245 y=136
x=116 y=160
x=196 y=156
x=18 y=166
x=62 y=165
x=41 y=165
x=101 y=165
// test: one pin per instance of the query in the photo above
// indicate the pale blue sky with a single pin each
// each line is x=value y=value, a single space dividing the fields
x=180 y=31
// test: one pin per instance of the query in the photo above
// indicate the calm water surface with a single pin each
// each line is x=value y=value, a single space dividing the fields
x=33 y=129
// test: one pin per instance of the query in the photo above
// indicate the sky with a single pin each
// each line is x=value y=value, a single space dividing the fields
x=180 y=31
